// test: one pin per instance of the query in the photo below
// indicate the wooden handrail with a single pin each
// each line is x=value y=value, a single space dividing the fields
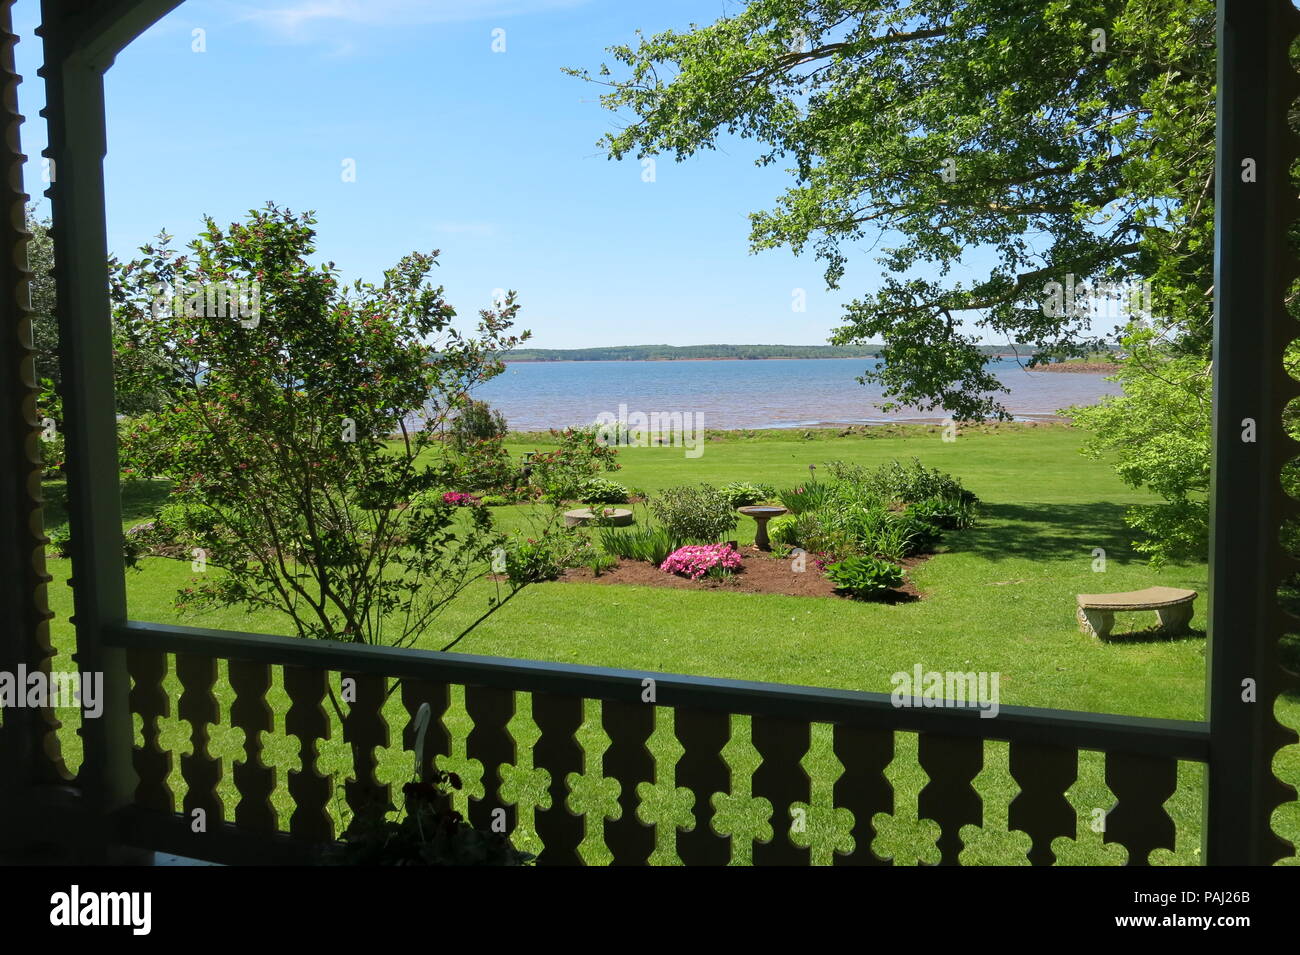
x=1177 y=739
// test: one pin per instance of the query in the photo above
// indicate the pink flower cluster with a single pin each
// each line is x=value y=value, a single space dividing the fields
x=459 y=498
x=697 y=560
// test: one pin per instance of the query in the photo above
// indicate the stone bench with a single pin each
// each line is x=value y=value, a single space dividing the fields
x=1172 y=605
x=596 y=516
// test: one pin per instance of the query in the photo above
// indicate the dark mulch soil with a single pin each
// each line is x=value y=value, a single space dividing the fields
x=761 y=574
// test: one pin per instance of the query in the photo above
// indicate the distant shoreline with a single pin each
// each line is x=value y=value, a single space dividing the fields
x=584 y=361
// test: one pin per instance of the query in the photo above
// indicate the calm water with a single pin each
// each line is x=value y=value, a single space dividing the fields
x=777 y=393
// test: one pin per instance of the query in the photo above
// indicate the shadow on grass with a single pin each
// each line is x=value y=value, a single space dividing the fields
x=140 y=500
x=1043 y=532
x=890 y=597
x=1148 y=635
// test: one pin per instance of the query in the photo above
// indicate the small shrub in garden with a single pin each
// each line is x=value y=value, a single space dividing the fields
x=808 y=496
x=652 y=545
x=477 y=421
x=740 y=494
x=562 y=473
x=913 y=482
x=893 y=540
x=481 y=465
x=694 y=513
x=531 y=561
x=923 y=536
x=865 y=576
x=954 y=514
x=824 y=532
x=598 y=490
x=60 y=542
x=699 y=560
x=783 y=531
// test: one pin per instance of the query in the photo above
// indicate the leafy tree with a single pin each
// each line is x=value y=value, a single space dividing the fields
x=1159 y=433
x=1011 y=125
x=288 y=437
x=477 y=421
x=45 y=329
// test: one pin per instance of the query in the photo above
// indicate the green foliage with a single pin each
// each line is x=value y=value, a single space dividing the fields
x=893 y=540
x=476 y=421
x=276 y=435
x=532 y=561
x=599 y=490
x=808 y=496
x=955 y=125
x=865 y=576
x=428 y=832
x=859 y=511
x=905 y=483
x=60 y=542
x=783 y=530
x=947 y=513
x=45 y=327
x=649 y=544
x=741 y=494
x=1158 y=432
x=694 y=514
x=920 y=536
x=480 y=465
x=563 y=472
x=600 y=562
x=49 y=410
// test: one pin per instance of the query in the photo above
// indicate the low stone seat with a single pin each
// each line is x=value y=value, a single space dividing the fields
x=1173 y=607
x=617 y=517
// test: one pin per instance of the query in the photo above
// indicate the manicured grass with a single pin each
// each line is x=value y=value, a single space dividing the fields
x=999 y=597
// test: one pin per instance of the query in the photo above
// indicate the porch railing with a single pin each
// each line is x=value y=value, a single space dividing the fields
x=1141 y=755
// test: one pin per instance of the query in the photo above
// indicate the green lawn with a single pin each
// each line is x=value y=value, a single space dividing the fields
x=998 y=597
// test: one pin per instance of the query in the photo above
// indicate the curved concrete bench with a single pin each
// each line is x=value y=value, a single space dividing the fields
x=1173 y=607
x=621 y=517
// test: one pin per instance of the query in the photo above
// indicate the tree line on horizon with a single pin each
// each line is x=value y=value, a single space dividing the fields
x=678 y=352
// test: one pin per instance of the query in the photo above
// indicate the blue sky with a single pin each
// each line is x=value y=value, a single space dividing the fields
x=490 y=157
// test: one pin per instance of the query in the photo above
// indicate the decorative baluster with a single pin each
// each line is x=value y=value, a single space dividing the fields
x=559 y=753
x=949 y=799
x=863 y=788
x=198 y=707
x=629 y=727
x=1138 y=820
x=1041 y=809
x=702 y=770
x=781 y=780
x=437 y=740
x=153 y=764
x=254 y=780
x=307 y=720
x=365 y=730
x=490 y=742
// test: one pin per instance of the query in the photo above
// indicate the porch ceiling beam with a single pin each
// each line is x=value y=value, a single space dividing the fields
x=97 y=30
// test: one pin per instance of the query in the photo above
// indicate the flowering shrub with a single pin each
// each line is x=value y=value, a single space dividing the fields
x=694 y=513
x=460 y=499
x=563 y=473
x=695 y=561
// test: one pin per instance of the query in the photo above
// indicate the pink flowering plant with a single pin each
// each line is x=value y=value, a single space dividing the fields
x=460 y=499
x=699 y=560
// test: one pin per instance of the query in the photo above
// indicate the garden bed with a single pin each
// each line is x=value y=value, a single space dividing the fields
x=762 y=574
